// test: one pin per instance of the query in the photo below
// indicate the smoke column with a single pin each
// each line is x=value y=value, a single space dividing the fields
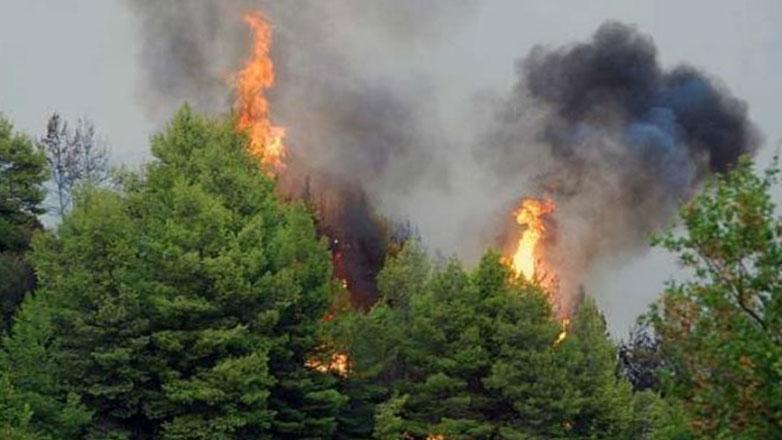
x=615 y=139
x=600 y=126
x=360 y=128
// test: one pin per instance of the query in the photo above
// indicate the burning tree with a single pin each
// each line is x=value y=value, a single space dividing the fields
x=252 y=108
x=531 y=216
x=473 y=355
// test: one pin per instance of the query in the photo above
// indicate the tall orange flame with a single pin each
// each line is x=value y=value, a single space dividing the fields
x=251 y=106
x=526 y=261
x=530 y=215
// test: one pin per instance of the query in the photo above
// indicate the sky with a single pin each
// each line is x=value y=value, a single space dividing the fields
x=81 y=58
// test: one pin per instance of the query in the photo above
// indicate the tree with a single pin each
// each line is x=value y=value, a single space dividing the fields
x=604 y=403
x=22 y=173
x=640 y=359
x=473 y=355
x=186 y=306
x=721 y=330
x=36 y=401
x=74 y=156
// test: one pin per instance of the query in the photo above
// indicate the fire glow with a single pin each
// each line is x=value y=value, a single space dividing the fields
x=251 y=106
x=252 y=112
x=266 y=140
x=339 y=364
x=527 y=260
x=531 y=216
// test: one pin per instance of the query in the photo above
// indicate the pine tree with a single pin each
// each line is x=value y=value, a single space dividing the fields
x=186 y=306
x=474 y=355
x=22 y=173
x=604 y=407
x=34 y=381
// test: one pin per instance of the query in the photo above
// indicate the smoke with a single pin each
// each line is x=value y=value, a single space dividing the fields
x=617 y=140
x=601 y=127
x=360 y=127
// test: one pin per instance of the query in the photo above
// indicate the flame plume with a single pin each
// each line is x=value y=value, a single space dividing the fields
x=531 y=215
x=251 y=106
x=526 y=261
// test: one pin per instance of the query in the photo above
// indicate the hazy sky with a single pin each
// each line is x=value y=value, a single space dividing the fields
x=79 y=57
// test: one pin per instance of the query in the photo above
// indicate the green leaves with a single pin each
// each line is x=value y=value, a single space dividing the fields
x=721 y=330
x=22 y=173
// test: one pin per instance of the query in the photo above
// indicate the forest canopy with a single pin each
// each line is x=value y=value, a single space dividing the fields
x=188 y=300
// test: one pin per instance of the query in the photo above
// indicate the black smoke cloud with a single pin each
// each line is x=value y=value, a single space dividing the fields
x=616 y=139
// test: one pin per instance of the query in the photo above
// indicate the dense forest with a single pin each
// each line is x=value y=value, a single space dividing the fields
x=187 y=300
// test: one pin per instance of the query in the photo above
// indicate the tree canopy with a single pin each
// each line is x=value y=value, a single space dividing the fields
x=22 y=174
x=721 y=330
x=182 y=307
x=191 y=302
x=476 y=355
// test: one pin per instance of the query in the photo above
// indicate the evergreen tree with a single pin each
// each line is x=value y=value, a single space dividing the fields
x=604 y=402
x=376 y=342
x=33 y=379
x=468 y=356
x=22 y=173
x=186 y=306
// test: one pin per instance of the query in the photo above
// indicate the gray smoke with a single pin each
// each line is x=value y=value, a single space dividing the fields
x=360 y=119
x=601 y=127
x=348 y=89
x=615 y=139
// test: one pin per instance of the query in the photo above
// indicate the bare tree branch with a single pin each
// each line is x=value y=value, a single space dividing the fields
x=75 y=157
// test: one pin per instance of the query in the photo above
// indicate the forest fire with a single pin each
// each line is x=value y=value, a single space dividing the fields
x=339 y=364
x=251 y=106
x=563 y=334
x=527 y=259
x=531 y=216
x=266 y=139
x=252 y=112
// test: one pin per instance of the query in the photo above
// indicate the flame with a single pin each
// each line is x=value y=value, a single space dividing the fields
x=339 y=364
x=251 y=106
x=563 y=334
x=531 y=216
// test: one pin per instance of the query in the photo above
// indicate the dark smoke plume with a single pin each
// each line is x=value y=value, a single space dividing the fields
x=355 y=135
x=617 y=140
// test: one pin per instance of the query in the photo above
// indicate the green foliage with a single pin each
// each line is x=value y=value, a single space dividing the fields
x=186 y=306
x=721 y=330
x=22 y=173
x=34 y=378
x=654 y=418
x=473 y=355
x=15 y=414
x=388 y=423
